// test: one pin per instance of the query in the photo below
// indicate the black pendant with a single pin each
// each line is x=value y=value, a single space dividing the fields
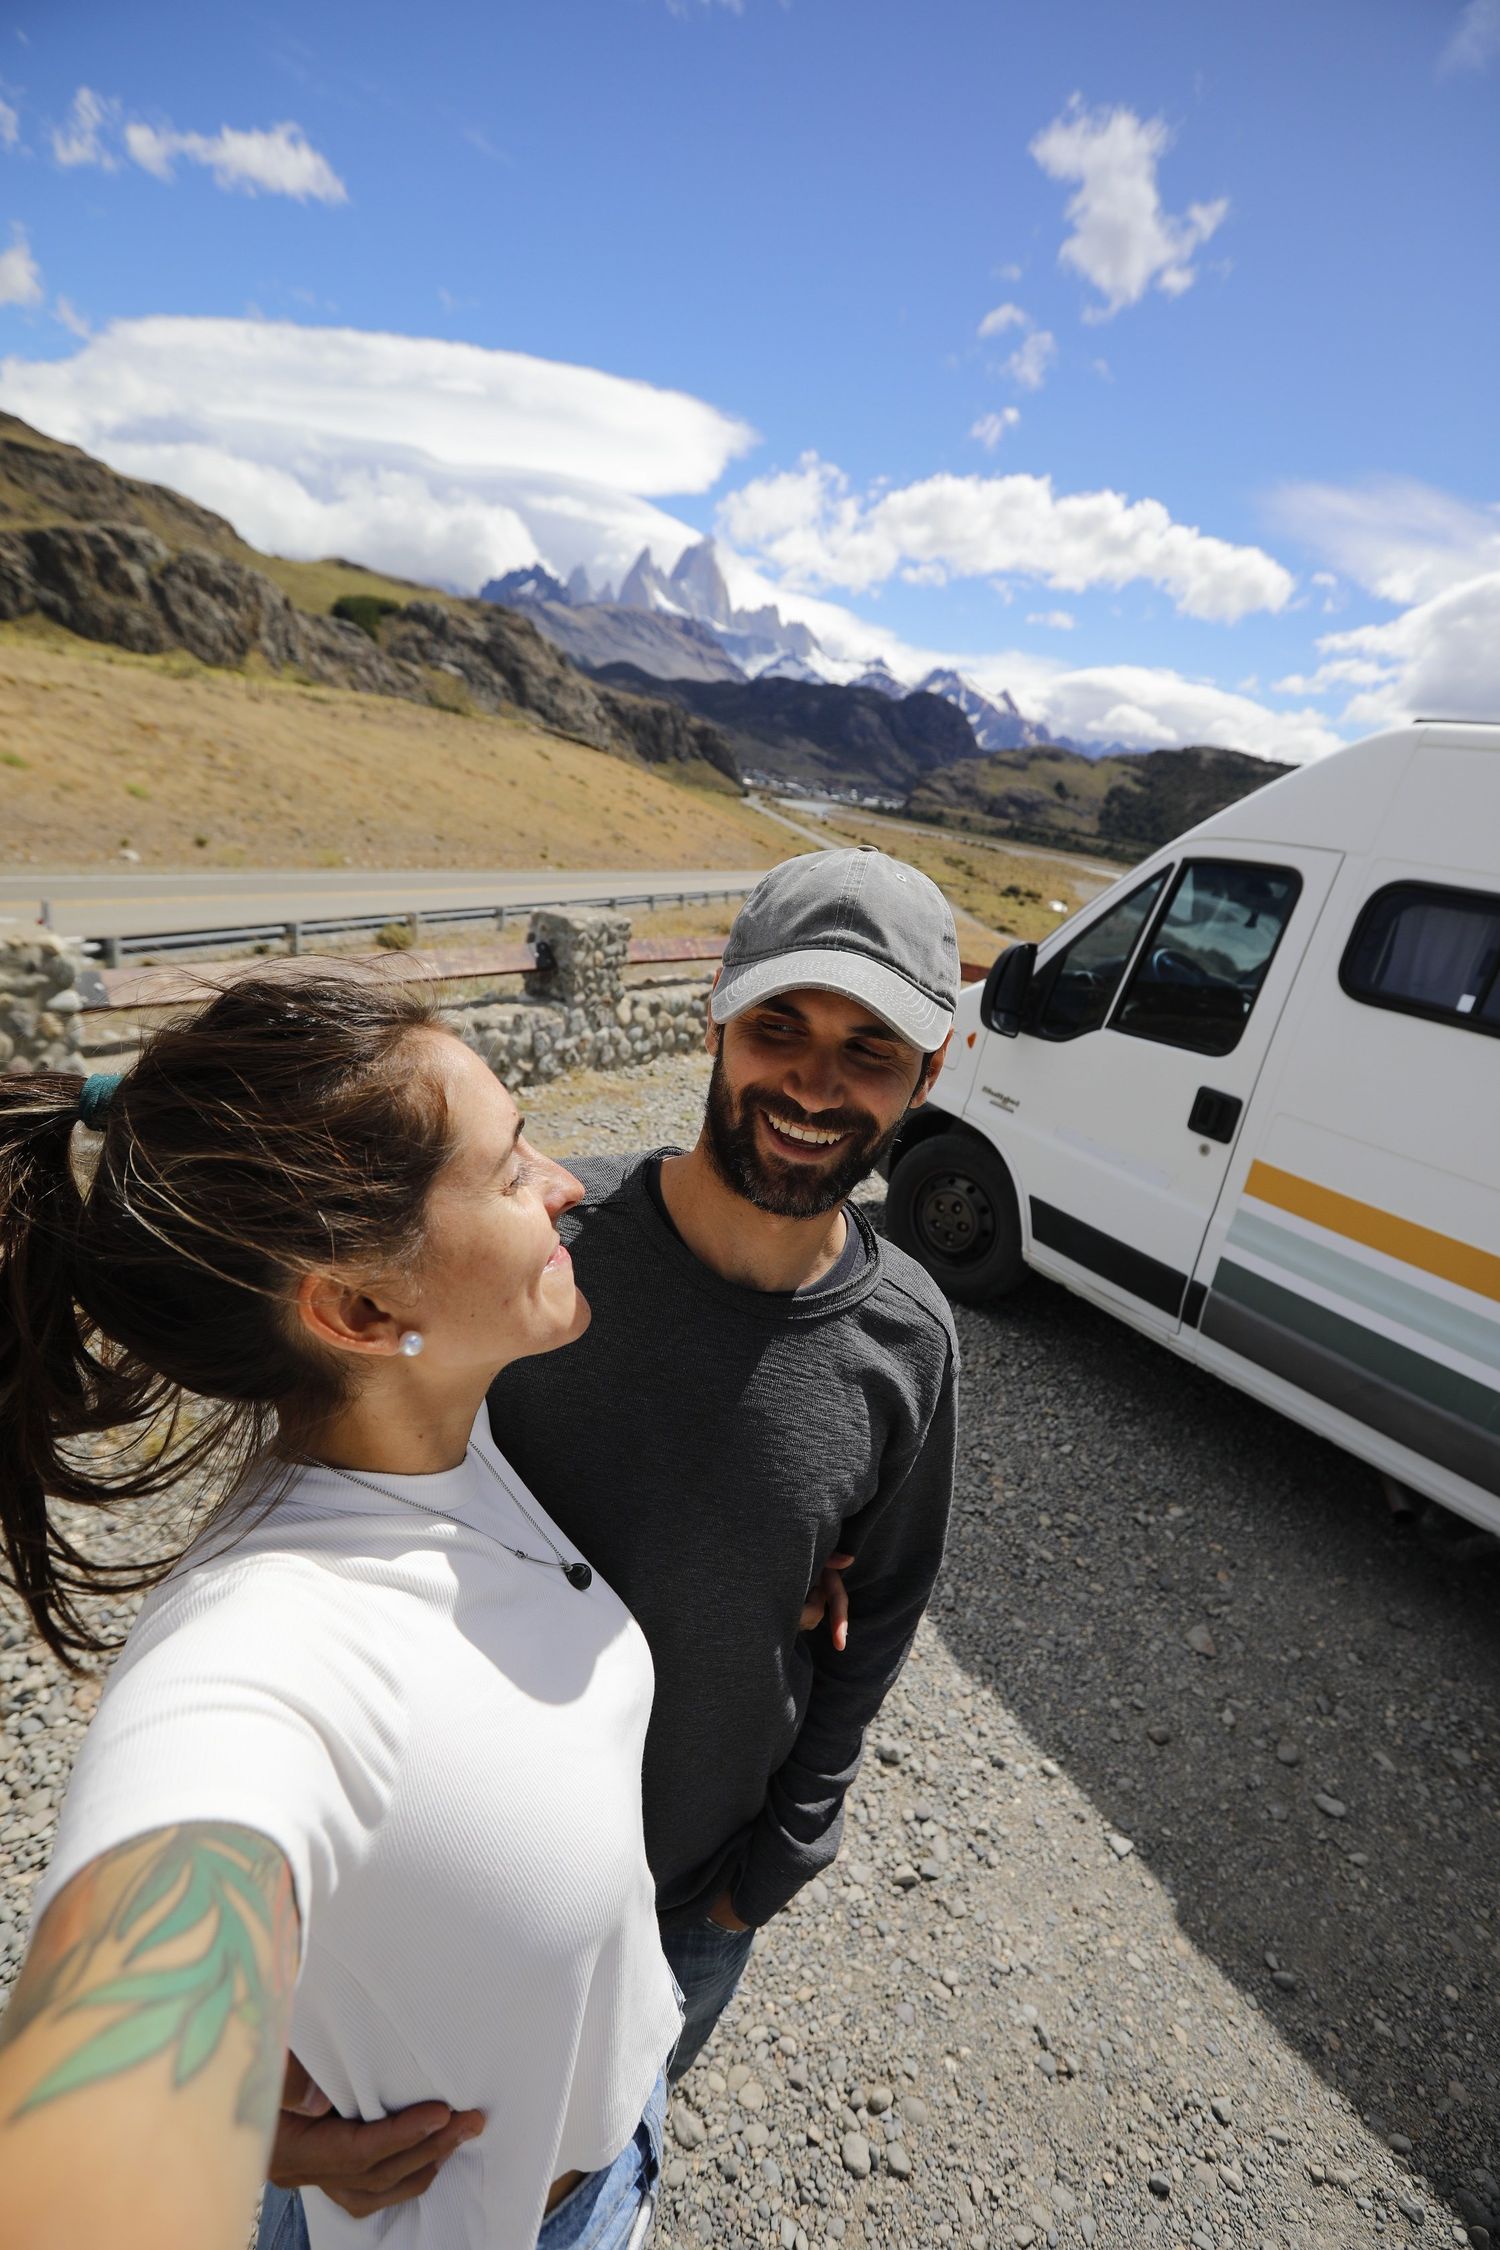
x=579 y=1574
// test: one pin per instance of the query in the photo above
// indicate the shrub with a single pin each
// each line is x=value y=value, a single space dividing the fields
x=395 y=937
x=365 y=611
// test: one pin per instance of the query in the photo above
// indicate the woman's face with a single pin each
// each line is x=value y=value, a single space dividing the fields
x=495 y=1283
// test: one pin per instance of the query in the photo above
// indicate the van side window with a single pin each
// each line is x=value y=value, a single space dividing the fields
x=1429 y=949
x=1205 y=961
x=1073 y=991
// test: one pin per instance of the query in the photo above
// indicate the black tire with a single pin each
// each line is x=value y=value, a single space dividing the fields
x=952 y=1205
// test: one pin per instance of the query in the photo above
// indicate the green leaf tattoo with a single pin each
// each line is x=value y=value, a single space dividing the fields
x=227 y=1883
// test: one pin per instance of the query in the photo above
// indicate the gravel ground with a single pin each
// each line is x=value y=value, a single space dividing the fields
x=1166 y=1910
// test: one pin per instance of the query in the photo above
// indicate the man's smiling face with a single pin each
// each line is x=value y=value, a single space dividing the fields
x=807 y=1092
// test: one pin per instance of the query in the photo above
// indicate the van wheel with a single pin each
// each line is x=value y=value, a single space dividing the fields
x=952 y=1205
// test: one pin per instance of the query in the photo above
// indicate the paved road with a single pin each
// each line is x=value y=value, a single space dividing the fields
x=126 y=901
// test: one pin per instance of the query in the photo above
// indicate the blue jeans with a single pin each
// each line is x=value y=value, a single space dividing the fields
x=608 y=2210
x=708 y=1963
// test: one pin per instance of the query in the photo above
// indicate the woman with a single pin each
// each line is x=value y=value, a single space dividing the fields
x=366 y=1779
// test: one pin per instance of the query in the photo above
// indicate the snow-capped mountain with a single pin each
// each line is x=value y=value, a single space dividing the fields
x=669 y=622
x=997 y=722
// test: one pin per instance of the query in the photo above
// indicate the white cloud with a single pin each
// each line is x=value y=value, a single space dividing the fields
x=1150 y=709
x=1055 y=620
x=1440 y=658
x=1475 y=38
x=413 y=454
x=82 y=139
x=1394 y=536
x=1123 y=241
x=1340 y=671
x=20 y=275
x=67 y=313
x=10 y=126
x=991 y=428
x=279 y=161
x=1004 y=316
x=809 y=525
x=1029 y=365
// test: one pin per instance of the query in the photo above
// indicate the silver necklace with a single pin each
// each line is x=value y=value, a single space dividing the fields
x=578 y=1574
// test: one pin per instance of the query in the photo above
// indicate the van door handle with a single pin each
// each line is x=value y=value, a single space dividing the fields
x=1214 y=1115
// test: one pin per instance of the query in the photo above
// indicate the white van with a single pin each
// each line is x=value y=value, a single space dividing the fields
x=1249 y=1100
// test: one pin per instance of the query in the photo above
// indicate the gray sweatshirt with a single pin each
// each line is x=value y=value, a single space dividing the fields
x=707 y=1446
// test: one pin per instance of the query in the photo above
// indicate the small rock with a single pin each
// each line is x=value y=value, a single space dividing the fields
x=688 y=2131
x=676 y=2172
x=913 y=2109
x=729 y=2165
x=1121 y=1846
x=788 y=2235
x=1334 y=1807
x=1200 y=1640
x=897 y=2161
x=855 y=2151
x=1158 y=1733
x=1159 y=2184
x=878 y=2100
x=1411 y=2209
x=1285 y=1980
x=1288 y=1754
x=1222 y=2110
x=906 y=1877
x=929 y=1869
x=752 y=2095
x=1233 y=2178
x=1400 y=2144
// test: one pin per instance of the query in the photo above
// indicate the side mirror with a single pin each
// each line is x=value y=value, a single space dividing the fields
x=1005 y=989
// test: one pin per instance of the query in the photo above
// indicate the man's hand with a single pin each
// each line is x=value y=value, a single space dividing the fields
x=828 y=1599
x=363 y=2168
x=723 y=1913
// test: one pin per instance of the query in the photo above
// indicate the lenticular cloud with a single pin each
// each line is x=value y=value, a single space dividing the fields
x=416 y=454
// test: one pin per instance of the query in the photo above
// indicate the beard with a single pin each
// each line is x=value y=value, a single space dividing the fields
x=786 y=1189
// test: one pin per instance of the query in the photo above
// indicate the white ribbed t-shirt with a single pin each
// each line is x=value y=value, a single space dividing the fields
x=446 y=1744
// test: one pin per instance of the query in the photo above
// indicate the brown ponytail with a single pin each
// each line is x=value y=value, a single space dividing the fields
x=288 y=1127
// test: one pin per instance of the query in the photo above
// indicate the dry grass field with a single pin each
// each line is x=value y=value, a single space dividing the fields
x=990 y=889
x=102 y=751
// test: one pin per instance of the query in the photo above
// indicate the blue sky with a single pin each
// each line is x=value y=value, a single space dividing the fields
x=1222 y=468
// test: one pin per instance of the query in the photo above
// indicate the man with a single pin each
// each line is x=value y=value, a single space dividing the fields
x=765 y=1388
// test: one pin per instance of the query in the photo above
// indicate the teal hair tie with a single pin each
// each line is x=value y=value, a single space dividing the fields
x=98 y=1093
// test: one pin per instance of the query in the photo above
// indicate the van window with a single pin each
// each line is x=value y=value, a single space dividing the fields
x=1203 y=964
x=1073 y=991
x=1429 y=949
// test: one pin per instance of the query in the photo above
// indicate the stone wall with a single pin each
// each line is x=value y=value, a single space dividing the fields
x=576 y=1012
x=39 y=1002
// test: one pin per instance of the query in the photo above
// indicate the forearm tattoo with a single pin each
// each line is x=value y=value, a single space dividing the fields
x=163 y=1948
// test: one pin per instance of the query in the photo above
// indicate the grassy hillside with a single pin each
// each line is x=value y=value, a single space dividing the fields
x=1124 y=806
x=990 y=890
x=188 y=766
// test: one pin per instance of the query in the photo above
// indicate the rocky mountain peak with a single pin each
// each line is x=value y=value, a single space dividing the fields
x=699 y=584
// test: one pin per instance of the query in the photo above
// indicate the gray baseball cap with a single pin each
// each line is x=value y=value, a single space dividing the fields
x=854 y=922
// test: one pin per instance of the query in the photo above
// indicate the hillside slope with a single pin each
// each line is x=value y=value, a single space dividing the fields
x=183 y=764
x=1126 y=805
x=115 y=560
x=822 y=736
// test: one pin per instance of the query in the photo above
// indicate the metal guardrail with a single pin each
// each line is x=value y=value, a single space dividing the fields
x=114 y=951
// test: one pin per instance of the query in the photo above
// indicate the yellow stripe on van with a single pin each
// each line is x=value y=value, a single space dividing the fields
x=1423 y=1247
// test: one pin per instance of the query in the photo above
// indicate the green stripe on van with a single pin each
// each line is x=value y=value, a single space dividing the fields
x=1461 y=1329
x=1389 y=1362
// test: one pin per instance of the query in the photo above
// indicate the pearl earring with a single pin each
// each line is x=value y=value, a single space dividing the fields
x=412 y=1342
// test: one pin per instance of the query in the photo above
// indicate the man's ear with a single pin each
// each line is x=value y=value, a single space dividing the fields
x=929 y=1076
